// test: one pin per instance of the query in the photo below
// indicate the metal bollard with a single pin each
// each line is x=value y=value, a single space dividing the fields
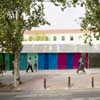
x=45 y=83
x=69 y=81
x=92 y=82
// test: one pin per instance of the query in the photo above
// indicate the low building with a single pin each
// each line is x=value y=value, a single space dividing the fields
x=56 y=49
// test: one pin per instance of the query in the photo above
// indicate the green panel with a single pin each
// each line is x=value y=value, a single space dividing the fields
x=11 y=57
x=34 y=56
x=7 y=61
x=1 y=61
x=1 y=57
x=23 y=61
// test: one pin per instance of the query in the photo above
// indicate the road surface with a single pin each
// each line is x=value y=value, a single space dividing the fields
x=52 y=95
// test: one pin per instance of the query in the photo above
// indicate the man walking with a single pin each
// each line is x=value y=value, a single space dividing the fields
x=81 y=65
x=29 y=65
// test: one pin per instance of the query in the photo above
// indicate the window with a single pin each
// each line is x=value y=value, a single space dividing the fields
x=54 y=38
x=63 y=38
x=79 y=36
x=71 y=38
x=46 y=38
x=30 y=38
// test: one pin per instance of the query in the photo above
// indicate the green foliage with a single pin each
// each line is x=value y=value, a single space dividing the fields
x=92 y=16
x=13 y=23
x=91 y=21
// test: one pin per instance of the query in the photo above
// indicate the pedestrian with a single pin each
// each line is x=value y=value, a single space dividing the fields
x=81 y=65
x=29 y=65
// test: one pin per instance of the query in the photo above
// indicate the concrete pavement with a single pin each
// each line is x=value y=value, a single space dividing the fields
x=55 y=80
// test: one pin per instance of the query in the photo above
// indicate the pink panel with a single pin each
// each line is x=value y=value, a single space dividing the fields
x=62 y=61
x=76 y=59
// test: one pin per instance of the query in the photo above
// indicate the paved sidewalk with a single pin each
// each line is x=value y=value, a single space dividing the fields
x=55 y=79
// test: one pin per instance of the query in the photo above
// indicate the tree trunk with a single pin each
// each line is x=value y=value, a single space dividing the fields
x=16 y=70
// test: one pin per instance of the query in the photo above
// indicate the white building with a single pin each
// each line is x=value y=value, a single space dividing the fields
x=65 y=40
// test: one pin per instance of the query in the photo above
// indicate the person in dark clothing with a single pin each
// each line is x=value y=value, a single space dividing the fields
x=81 y=65
x=35 y=65
x=29 y=65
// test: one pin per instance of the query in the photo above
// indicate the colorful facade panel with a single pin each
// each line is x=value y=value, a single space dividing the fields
x=70 y=60
x=45 y=61
x=75 y=60
x=62 y=61
x=23 y=61
x=53 y=61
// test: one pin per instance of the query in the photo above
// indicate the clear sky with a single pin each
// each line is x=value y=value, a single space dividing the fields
x=67 y=19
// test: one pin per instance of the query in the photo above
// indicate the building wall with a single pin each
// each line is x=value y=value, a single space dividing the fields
x=94 y=60
x=45 y=61
x=53 y=60
x=76 y=37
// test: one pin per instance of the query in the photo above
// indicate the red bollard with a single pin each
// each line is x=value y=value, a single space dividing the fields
x=45 y=83
x=92 y=82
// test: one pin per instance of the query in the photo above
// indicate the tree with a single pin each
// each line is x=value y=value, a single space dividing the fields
x=92 y=15
x=15 y=17
x=91 y=21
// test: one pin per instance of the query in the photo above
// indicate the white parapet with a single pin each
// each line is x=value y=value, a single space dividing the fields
x=56 y=47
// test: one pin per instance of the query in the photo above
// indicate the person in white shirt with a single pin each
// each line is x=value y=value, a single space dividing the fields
x=29 y=65
x=81 y=65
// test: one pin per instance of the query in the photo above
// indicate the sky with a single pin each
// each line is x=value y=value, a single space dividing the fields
x=67 y=19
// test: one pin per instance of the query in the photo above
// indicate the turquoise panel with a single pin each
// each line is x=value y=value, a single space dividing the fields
x=7 y=61
x=23 y=61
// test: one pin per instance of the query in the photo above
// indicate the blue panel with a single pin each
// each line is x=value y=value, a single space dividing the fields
x=23 y=61
x=41 y=61
x=46 y=61
x=70 y=60
x=53 y=61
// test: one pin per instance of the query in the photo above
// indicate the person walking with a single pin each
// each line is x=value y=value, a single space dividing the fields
x=81 y=65
x=29 y=65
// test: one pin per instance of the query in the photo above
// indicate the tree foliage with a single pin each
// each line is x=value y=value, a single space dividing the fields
x=13 y=23
x=91 y=20
x=15 y=17
x=92 y=15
